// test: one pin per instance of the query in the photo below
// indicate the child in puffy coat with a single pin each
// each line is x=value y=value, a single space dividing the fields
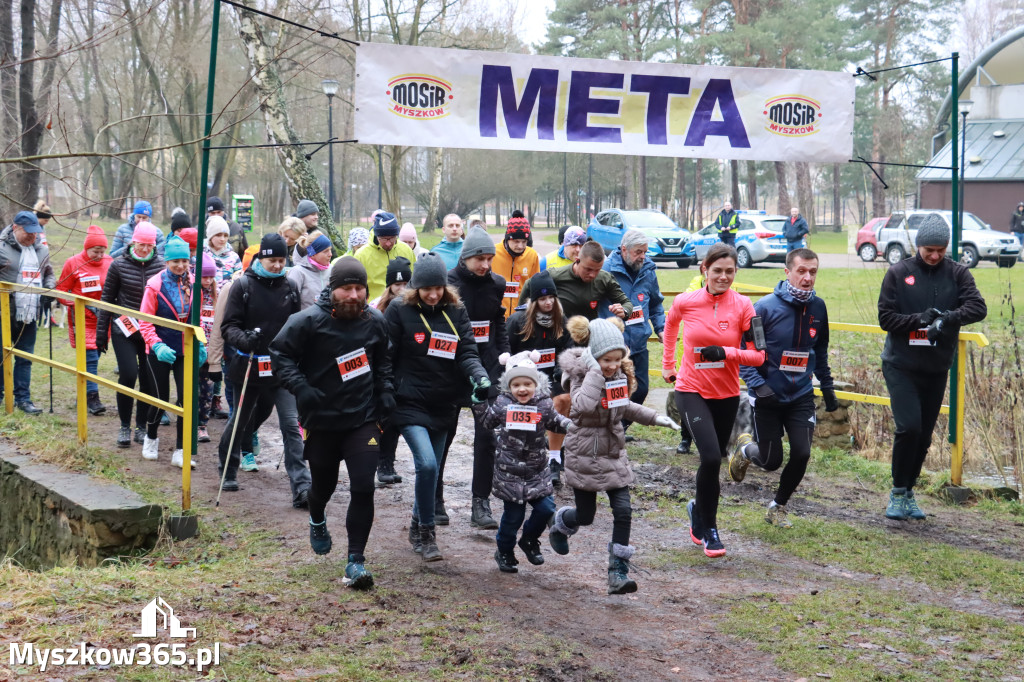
x=600 y=379
x=521 y=414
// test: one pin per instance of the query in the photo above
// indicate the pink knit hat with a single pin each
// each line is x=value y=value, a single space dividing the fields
x=408 y=232
x=145 y=233
x=209 y=267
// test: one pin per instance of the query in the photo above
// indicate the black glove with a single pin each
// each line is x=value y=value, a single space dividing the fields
x=929 y=316
x=386 y=406
x=493 y=392
x=101 y=345
x=45 y=302
x=712 y=354
x=215 y=376
x=831 y=401
x=935 y=330
x=308 y=398
x=250 y=341
x=765 y=396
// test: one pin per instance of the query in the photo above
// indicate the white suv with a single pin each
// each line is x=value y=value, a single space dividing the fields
x=978 y=241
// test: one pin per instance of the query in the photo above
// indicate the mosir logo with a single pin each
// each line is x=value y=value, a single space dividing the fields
x=416 y=95
x=792 y=115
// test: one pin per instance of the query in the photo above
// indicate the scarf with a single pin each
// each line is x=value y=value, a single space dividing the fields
x=317 y=265
x=800 y=295
x=544 y=319
x=27 y=305
x=257 y=267
x=140 y=258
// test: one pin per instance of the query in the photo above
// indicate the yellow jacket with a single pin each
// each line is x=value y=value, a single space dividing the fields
x=375 y=260
x=516 y=270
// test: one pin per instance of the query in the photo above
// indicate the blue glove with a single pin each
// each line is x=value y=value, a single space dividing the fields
x=202 y=353
x=164 y=353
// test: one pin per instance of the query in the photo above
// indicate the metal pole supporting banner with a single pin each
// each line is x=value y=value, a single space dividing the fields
x=330 y=157
x=954 y=426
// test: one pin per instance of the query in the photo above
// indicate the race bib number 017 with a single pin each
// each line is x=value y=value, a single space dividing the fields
x=354 y=364
x=522 y=418
x=616 y=393
x=442 y=345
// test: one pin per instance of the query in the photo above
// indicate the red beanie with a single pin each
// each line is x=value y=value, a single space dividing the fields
x=190 y=235
x=95 y=237
x=517 y=227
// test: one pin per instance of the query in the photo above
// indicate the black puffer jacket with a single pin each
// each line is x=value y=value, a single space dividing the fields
x=307 y=349
x=124 y=286
x=426 y=386
x=541 y=340
x=482 y=298
x=911 y=287
x=254 y=301
x=521 y=471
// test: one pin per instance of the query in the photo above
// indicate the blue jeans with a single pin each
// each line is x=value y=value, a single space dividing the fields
x=24 y=335
x=288 y=421
x=427 y=447
x=793 y=246
x=512 y=519
x=92 y=363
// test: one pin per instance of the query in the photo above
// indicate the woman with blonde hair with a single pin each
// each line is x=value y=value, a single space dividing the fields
x=310 y=273
x=292 y=229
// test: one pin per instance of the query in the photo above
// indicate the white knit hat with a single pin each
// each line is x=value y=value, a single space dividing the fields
x=523 y=364
x=216 y=225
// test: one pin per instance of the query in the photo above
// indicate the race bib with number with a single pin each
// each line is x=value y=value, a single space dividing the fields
x=616 y=393
x=919 y=337
x=512 y=289
x=206 y=315
x=481 y=331
x=794 y=361
x=522 y=418
x=127 y=325
x=354 y=364
x=635 y=317
x=90 y=283
x=547 y=358
x=31 y=276
x=442 y=345
x=700 y=364
x=263 y=366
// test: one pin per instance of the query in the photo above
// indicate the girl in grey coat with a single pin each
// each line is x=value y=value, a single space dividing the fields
x=600 y=379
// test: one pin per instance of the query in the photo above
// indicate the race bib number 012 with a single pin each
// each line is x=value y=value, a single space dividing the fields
x=442 y=345
x=522 y=418
x=354 y=364
x=616 y=393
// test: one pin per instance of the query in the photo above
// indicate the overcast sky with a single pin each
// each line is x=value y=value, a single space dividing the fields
x=533 y=29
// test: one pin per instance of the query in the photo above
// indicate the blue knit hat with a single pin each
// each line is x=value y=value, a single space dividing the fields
x=143 y=208
x=176 y=248
x=386 y=225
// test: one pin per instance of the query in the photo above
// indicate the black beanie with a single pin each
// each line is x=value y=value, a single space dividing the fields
x=347 y=270
x=399 y=270
x=430 y=272
x=180 y=221
x=542 y=284
x=272 y=246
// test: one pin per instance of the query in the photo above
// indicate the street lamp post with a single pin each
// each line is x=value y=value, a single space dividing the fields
x=330 y=88
x=965 y=108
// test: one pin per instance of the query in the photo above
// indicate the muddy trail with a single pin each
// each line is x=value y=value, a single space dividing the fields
x=669 y=629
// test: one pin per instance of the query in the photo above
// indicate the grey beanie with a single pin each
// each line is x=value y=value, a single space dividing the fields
x=477 y=243
x=605 y=337
x=633 y=237
x=522 y=364
x=429 y=272
x=933 y=232
x=305 y=208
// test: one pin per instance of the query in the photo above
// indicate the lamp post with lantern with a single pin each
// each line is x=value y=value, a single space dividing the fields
x=330 y=88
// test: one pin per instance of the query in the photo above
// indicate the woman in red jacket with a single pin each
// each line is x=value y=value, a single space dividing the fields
x=708 y=386
x=84 y=274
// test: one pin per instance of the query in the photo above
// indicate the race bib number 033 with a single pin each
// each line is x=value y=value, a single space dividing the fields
x=442 y=345
x=354 y=364
x=547 y=358
x=522 y=418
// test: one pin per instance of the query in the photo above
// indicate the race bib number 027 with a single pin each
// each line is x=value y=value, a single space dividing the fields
x=442 y=345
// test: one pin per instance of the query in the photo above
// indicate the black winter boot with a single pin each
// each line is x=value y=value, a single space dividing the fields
x=507 y=561
x=618 y=569
x=440 y=513
x=481 y=517
x=414 y=535
x=531 y=548
x=429 y=541
x=93 y=404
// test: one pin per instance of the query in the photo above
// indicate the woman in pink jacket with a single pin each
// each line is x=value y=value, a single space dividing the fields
x=707 y=384
x=169 y=295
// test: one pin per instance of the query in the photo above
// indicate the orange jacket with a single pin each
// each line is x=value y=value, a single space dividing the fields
x=516 y=270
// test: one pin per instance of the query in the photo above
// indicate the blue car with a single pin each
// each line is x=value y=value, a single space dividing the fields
x=665 y=240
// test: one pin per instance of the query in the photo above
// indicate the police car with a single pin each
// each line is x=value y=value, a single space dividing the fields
x=759 y=239
x=665 y=239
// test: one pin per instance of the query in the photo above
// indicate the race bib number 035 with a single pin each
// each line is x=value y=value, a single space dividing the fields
x=354 y=364
x=522 y=418
x=442 y=345
x=616 y=393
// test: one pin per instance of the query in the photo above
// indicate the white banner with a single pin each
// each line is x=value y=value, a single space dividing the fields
x=433 y=97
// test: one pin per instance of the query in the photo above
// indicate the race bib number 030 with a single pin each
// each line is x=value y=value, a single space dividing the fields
x=919 y=337
x=481 y=331
x=522 y=418
x=442 y=345
x=354 y=364
x=547 y=358
x=794 y=361
x=616 y=393
x=263 y=365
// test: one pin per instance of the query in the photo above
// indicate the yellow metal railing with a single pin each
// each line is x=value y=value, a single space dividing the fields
x=957 y=455
x=189 y=335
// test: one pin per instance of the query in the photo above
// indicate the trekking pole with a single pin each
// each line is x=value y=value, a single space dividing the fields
x=234 y=427
x=49 y=316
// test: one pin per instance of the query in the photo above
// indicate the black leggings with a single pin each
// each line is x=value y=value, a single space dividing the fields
x=162 y=373
x=797 y=418
x=710 y=423
x=132 y=366
x=325 y=450
x=586 y=509
x=916 y=402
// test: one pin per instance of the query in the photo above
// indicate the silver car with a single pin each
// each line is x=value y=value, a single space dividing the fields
x=759 y=239
x=978 y=241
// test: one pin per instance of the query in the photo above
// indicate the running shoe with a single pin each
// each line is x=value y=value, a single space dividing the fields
x=738 y=461
x=696 y=532
x=777 y=516
x=713 y=546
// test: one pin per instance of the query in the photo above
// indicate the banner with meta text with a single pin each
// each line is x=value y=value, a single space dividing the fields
x=434 y=97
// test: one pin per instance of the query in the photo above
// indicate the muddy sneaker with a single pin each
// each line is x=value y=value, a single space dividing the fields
x=356 y=575
x=124 y=437
x=696 y=532
x=217 y=408
x=384 y=475
x=230 y=485
x=249 y=462
x=414 y=536
x=897 y=505
x=150 y=448
x=203 y=436
x=140 y=435
x=178 y=459
x=684 y=446
x=440 y=513
x=713 y=546
x=507 y=561
x=531 y=548
x=777 y=516
x=738 y=461
x=619 y=581
x=319 y=538
x=911 y=509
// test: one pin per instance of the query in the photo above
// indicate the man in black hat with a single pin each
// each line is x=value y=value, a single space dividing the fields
x=923 y=302
x=334 y=357
x=236 y=235
x=258 y=306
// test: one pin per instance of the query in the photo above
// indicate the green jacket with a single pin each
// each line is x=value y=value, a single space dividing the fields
x=583 y=298
x=376 y=259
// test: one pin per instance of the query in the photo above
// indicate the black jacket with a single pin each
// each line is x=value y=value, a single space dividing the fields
x=254 y=301
x=542 y=339
x=426 y=386
x=911 y=287
x=307 y=351
x=482 y=297
x=1017 y=221
x=124 y=286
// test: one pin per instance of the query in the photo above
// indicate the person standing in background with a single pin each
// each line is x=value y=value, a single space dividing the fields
x=727 y=223
x=795 y=230
x=450 y=247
